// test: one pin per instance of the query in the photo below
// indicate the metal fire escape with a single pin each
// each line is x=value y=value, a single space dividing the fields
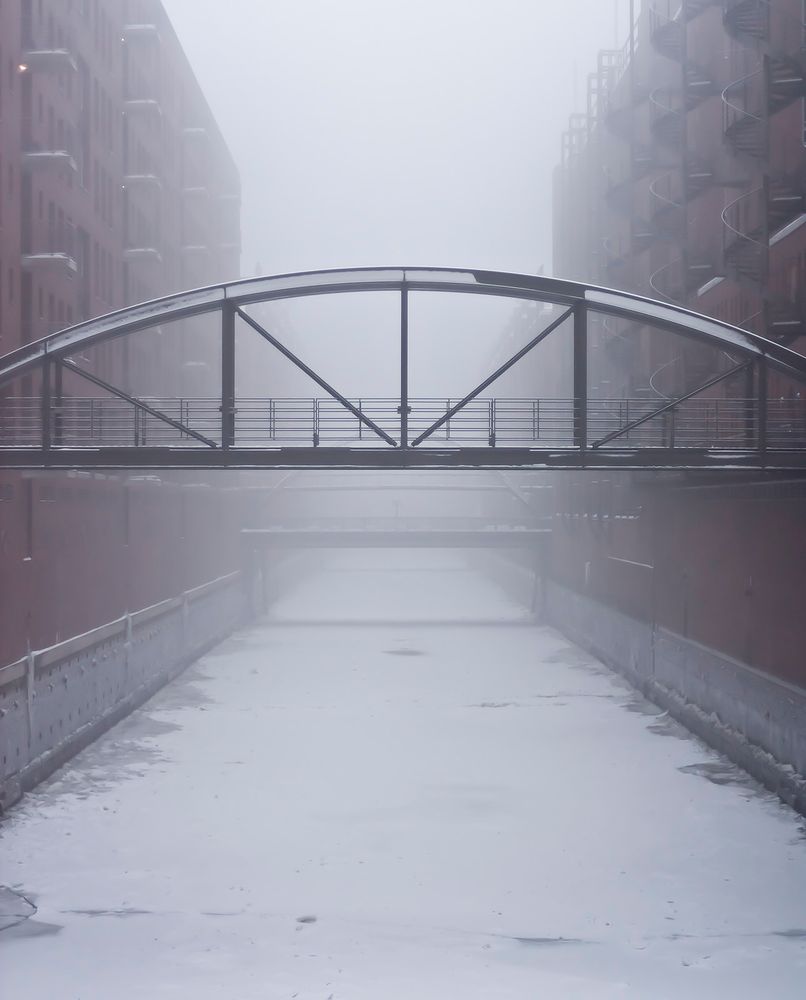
x=750 y=103
x=686 y=175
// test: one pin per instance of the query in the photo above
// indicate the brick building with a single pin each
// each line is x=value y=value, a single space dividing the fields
x=116 y=186
x=685 y=179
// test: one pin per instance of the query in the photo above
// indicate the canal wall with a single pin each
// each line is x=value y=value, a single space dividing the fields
x=757 y=720
x=56 y=701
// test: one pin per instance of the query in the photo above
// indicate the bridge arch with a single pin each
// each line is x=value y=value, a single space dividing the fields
x=625 y=444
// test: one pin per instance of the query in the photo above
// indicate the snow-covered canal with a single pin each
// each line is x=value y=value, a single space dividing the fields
x=399 y=788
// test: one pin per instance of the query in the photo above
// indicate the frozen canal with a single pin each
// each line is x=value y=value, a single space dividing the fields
x=398 y=788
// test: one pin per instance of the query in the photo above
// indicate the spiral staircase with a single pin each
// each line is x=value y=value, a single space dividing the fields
x=671 y=192
x=752 y=219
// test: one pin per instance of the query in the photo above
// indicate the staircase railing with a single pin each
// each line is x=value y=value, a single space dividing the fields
x=655 y=278
x=744 y=245
x=737 y=99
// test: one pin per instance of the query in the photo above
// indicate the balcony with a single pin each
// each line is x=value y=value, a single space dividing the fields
x=143 y=182
x=787 y=205
x=699 y=177
x=667 y=24
x=748 y=18
x=747 y=103
x=667 y=31
x=49 y=159
x=667 y=206
x=787 y=80
x=745 y=239
x=54 y=61
x=757 y=220
x=143 y=105
x=142 y=255
x=667 y=120
x=680 y=278
x=141 y=33
x=700 y=86
x=787 y=319
x=53 y=262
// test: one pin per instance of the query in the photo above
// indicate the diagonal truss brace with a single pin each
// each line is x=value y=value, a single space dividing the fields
x=492 y=378
x=138 y=403
x=672 y=404
x=316 y=378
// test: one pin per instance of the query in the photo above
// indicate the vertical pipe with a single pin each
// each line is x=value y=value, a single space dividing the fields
x=685 y=165
x=633 y=136
x=58 y=417
x=46 y=404
x=227 y=375
x=750 y=422
x=581 y=376
x=404 y=366
x=763 y=409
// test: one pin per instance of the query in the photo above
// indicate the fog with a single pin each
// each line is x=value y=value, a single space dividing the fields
x=372 y=132
x=322 y=701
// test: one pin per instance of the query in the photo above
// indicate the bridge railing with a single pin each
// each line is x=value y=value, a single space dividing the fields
x=60 y=406
x=93 y=421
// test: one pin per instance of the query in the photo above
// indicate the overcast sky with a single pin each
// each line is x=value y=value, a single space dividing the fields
x=371 y=132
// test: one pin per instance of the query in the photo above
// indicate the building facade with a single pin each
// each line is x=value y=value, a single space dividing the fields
x=685 y=180
x=116 y=186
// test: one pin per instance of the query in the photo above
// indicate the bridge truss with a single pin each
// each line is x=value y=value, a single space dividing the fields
x=108 y=427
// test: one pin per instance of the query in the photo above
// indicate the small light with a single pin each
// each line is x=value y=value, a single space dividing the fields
x=22 y=68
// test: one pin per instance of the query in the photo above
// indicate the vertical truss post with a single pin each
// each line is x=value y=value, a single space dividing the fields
x=58 y=416
x=227 y=375
x=404 y=366
x=581 y=376
x=763 y=408
x=752 y=375
x=45 y=401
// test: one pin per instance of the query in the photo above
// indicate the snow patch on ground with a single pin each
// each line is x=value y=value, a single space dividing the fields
x=398 y=787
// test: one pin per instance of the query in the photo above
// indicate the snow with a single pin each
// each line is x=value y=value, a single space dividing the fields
x=398 y=787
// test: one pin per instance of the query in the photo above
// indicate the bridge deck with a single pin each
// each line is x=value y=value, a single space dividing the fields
x=503 y=459
x=378 y=538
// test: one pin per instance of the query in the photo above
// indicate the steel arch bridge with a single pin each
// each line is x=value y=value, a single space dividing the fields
x=705 y=427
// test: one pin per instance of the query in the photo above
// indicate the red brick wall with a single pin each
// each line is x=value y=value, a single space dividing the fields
x=71 y=558
x=727 y=572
